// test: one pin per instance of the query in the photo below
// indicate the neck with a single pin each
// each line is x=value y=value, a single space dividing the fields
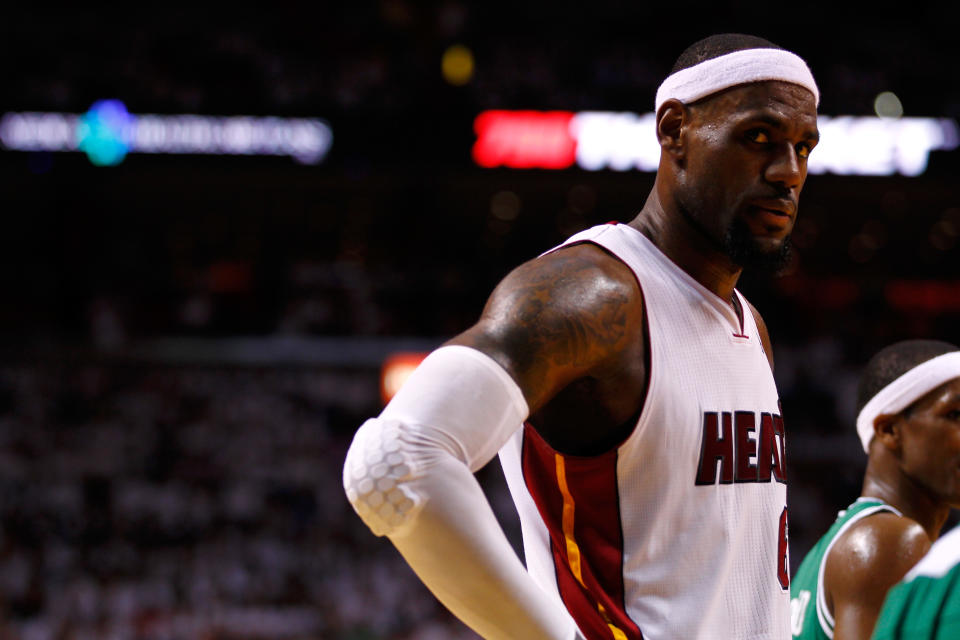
x=687 y=247
x=887 y=482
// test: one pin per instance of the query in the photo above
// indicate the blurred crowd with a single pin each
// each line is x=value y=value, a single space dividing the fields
x=180 y=502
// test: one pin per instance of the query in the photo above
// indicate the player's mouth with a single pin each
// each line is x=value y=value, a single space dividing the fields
x=773 y=213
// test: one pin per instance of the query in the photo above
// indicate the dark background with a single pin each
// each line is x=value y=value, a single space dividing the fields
x=188 y=343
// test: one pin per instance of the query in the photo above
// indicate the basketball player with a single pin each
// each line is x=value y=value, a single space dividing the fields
x=909 y=425
x=926 y=604
x=628 y=388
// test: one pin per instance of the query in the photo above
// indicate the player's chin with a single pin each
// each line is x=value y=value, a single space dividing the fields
x=765 y=253
x=768 y=248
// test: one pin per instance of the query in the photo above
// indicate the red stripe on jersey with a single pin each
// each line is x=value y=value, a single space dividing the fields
x=588 y=556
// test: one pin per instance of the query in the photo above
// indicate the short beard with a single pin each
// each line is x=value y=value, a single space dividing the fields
x=739 y=245
x=742 y=249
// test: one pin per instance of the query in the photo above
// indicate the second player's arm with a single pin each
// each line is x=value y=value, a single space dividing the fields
x=863 y=565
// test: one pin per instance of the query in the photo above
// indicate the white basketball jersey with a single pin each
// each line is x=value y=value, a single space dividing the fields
x=680 y=532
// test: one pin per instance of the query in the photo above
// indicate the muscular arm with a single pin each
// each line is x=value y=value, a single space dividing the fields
x=863 y=565
x=568 y=315
x=571 y=314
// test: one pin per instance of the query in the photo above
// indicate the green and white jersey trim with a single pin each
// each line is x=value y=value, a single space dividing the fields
x=926 y=604
x=940 y=560
x=824 y=616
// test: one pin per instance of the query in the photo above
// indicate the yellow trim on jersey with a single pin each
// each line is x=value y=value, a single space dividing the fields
x=573 y=549
x=617 y=633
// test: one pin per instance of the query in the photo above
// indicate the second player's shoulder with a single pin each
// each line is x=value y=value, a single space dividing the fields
x=877 y=550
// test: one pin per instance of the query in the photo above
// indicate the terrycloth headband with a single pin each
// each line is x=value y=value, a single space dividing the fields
x=905 y=390
x=731 y=69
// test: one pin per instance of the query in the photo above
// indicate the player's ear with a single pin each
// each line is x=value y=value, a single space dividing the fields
x=886 y=429
x=672 y=118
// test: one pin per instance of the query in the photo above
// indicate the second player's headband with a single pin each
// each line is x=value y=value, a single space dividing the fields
x=740 y=67
x=905 y=390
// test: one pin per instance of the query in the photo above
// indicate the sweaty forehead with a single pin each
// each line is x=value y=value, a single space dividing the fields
x=774 y=98
x=947 y=393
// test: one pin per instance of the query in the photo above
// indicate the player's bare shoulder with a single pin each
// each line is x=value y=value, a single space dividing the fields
x=875 y=552
x=561 y=316
x=574 y=303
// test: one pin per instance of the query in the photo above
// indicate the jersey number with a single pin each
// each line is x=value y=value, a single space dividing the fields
x=783 y=562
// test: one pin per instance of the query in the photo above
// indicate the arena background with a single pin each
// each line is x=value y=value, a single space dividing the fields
x=190 y=340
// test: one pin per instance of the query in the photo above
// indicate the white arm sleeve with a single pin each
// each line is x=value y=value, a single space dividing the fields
x=409 y=474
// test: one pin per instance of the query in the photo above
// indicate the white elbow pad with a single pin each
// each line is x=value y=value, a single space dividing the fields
x=458 y=403
x=378 y=467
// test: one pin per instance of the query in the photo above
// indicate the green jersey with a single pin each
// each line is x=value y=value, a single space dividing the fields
x=925 y=605
x=810 y=619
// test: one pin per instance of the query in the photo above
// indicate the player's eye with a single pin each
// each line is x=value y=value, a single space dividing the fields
x=759 y=136
x=803 y=150
x=953 y=415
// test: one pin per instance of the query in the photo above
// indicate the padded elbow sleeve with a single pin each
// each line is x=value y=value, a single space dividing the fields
x=459 y=403
x=378 y=469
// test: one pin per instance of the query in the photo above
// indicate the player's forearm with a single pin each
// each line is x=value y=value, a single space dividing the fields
x=409 y=475
x=459 y=551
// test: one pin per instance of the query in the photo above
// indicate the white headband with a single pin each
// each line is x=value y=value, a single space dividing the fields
x=905 y=390
x=740 y=67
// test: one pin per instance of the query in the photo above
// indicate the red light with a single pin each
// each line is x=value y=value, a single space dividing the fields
x=524 y=139
x=930 y=296
x=396 y=369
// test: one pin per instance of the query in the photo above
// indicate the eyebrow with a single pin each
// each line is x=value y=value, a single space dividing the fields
x=811 y=134
x=950 y=401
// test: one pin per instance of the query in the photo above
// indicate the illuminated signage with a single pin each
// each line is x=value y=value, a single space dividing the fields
x=524 y=139
x=107 y=132
x=595 y=140
x=395 y=371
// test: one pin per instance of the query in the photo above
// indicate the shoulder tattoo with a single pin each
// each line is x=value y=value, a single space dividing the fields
x=570 y=314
